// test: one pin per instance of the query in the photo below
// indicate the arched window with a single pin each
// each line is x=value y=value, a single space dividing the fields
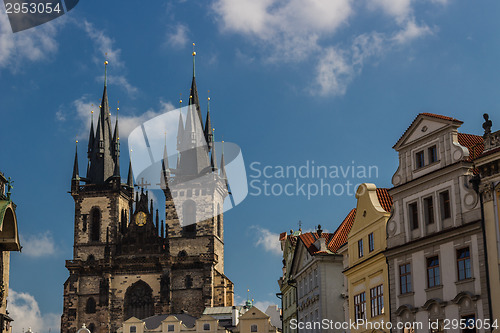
x=139 y=301
x=182 y=254
x=90 y=307
x=91 y=328
x=219 y=222
x=95 y=226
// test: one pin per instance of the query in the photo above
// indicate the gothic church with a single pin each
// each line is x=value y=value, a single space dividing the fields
x=126 y=260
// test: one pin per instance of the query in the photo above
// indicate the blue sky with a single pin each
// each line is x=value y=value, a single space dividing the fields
x=334 y=82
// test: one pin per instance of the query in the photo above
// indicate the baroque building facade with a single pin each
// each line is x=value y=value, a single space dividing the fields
x=127 y=261
x=435 y=248
x=316 y=271
x=367 y=286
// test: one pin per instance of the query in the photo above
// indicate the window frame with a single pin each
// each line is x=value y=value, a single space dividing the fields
x=429 y=210
x=419 y=159
x=465 y=260
x=360 y=306
x=371 y=242
x=413 y=215
x=360 y=248
x=206 y=326
x=432 y=154
x=436 y=272
x=445 y=202
x=377 y=301
x=407 y=274
x=254 y=328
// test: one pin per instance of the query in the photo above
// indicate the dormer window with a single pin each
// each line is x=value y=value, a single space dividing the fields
x=432 y=151
x=419 y=159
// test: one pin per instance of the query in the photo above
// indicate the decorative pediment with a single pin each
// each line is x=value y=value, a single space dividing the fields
x=424 y=125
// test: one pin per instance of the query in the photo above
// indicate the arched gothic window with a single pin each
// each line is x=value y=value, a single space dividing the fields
x=139 y=301
x=219 y=222
x=90 y=307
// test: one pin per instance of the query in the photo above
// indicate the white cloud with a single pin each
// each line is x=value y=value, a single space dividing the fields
x=29 y=45
x=104 y=45
x=119 y=81
x=37 y=246
x=289 y=29
x=178 y=37
x=24 y=309
x=268 y=240
x=303 y=30
x=412 y=31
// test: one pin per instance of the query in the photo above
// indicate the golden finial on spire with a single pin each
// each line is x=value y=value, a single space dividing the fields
x=117 y=107
x=194 y=52
x=105 y=68
x=180 y=99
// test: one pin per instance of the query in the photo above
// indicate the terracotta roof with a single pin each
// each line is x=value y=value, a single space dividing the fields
x=474 y=143
x=333 y=240
x=340 y=235
x=384 y=198
x=282 y=236
x=437 y=116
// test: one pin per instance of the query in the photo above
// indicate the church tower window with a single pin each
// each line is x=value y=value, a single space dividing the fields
x=139 y=301
x=95 y=227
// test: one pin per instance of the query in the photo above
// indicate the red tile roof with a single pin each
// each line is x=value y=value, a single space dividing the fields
x=384 y=198
x=333 y=240
x=474 y=143
x=282 y=236
x=438 y=116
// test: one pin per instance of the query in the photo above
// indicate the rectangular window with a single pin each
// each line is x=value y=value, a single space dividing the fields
x=432 y=154
x=419 y=159
x=311 y=281
x=445 y=205
x=377 y=300
x=170 y=328
x=360 y=306
x=413 y=215
x=463 y=264
x=405 y=278
x=429 y=210
x=371 y=242
x=315 y=277
x=360 y=248
x=206 y=327
x=470 y=323
x=433 y=277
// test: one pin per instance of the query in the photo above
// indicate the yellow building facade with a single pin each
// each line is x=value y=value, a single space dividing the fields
x=366 y=271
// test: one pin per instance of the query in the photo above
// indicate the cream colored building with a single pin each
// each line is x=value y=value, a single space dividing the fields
x=253 y=321
x=172 y=323
x=435 y=249
x=367 y=294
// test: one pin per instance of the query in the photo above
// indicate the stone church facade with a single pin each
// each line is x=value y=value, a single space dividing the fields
x=127 y=262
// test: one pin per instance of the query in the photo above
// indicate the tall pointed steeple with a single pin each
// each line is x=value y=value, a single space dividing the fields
x=102 y=161
x=194 y=91
x=92 y=133
x=180 y=133
x=130 y=178
x=209 y=135
x=116 y=147
x=223 y=166
x=75 y=164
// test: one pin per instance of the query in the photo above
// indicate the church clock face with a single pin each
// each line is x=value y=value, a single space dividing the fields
x=140 y=219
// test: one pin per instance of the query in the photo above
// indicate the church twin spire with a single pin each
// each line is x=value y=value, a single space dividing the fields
x=104 y=147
